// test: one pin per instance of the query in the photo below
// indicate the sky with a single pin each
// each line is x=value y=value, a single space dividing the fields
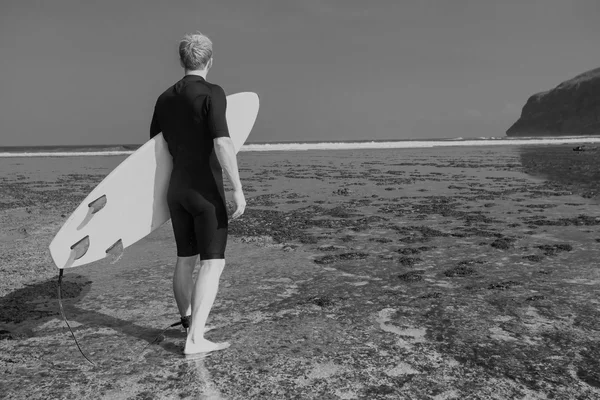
x=78 y=73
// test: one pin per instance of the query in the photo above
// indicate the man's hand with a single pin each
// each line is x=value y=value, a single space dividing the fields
x=239 y=202
x=226 y=155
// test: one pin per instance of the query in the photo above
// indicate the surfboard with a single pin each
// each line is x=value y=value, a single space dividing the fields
x=131 y=201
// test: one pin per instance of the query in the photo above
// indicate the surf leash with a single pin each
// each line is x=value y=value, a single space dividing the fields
x=184 y=321
x=62 y=312
x=141 y=353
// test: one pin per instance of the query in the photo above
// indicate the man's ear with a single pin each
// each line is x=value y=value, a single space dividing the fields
x=210 y=64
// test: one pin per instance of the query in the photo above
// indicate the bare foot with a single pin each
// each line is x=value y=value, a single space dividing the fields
x=206 y=329
x=203 y=346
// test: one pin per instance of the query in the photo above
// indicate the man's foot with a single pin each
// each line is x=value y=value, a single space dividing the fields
x=187 y=321
x=206 y=329
x=203 y=346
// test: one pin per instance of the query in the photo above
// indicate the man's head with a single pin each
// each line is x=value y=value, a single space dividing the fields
x=195 y=52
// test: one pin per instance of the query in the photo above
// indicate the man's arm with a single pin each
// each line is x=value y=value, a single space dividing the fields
x=224 y=149
x=226 y=154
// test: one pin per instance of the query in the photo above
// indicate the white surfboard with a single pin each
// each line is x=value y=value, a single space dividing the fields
x=131 y=201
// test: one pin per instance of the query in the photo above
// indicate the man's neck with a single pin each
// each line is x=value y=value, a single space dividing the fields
x=197 y=72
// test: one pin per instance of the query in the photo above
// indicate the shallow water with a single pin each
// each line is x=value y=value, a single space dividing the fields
x=443 y=272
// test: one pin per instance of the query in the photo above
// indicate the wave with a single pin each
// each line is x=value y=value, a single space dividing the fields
x=124 y=150
x=491 y=141
x=69 y=151
x=66 y=153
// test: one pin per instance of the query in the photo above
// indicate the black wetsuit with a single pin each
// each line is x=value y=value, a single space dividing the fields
x=190 y=114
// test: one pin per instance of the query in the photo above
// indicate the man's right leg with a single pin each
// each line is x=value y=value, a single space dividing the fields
x=203 y=297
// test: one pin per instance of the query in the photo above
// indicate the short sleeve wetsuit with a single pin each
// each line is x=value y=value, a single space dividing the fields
x=190 y=114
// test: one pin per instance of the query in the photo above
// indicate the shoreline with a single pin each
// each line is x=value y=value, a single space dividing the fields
x=350 y=145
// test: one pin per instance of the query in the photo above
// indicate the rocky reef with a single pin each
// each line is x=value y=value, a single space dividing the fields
x=447 y=273
x=571 y=108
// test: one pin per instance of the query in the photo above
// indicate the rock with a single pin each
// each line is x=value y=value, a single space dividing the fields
x=571 y=108
x=343 y=191
x=584 y=148
x=411 y=276
x=5 y=335
x=261 y=241
x=22 y=233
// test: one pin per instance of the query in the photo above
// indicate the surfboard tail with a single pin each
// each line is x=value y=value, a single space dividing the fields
x=78 y=250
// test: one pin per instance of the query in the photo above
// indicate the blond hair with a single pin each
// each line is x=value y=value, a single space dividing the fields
x=195 y=50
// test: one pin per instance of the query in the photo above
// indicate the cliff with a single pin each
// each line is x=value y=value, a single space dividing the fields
x=571 y=108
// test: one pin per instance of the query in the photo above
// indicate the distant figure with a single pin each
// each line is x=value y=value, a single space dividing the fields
x=191 y=116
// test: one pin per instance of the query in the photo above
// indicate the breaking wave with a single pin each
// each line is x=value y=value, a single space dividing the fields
x=124 y=150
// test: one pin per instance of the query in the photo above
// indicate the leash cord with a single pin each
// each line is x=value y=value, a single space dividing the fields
x=156 y=338
x=62 y=312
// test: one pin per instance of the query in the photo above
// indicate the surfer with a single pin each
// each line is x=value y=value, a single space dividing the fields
x=191 y=116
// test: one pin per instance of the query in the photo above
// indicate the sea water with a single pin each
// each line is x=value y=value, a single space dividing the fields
x=124 y=150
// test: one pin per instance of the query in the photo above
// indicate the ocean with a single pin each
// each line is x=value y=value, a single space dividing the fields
x=126 y=149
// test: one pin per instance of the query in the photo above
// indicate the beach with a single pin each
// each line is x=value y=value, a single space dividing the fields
x=465 y=272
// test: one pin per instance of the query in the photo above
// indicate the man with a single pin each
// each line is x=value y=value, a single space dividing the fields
x=191 y=116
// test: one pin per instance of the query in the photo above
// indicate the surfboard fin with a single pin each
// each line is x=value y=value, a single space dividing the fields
x=115 y=252
x=78 y=250
x=93 y=208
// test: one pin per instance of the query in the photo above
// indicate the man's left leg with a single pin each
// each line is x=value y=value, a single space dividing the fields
x=183 y=283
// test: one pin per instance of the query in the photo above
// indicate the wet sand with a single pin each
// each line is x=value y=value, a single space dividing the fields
x=367 y=274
